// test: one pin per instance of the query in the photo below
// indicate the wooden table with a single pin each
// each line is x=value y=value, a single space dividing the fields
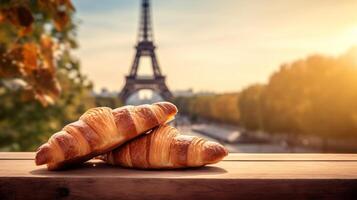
x=239 y=176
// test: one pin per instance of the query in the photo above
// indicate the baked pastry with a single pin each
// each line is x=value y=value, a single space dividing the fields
x=165 y=148
x=100 y=130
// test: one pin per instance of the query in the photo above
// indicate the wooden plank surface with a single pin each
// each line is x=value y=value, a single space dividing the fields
x=239 y=176
x=17 y=155
x=291 y=157
x=232 y=156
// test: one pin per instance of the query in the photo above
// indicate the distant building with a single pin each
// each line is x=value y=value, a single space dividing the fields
x=104 y=92
x=204 y=93
x=144 y=97
x=183 y=93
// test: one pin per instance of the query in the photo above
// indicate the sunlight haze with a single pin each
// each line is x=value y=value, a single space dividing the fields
x=208 y=45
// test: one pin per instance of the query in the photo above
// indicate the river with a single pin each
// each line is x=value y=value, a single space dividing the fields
x=233 y=139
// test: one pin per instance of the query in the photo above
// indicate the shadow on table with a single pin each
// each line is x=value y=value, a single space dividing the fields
x=101 y=169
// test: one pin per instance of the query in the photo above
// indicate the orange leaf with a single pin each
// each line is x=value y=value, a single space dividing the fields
x=24 y=31
x=46 y=82
x=7 y=68
x=19 y=16
x=15 y=54
x=2 y=16
x=47 y=52
x=69 y=5
x=60 y=20
x=30 y=57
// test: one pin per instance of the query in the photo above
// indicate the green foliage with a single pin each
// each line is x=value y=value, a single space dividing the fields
x=25 y=125
x=220 y=108
x=111 y=102
x=250 y=107
x=32 y=34
x=24 y=122
x=315 y=96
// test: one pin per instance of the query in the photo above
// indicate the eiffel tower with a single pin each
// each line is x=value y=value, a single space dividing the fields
x=145 y=47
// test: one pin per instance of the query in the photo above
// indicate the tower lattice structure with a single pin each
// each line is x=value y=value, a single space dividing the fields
x=145 y=47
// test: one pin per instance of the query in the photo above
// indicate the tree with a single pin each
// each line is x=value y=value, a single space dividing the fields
x=36 y=42
x=250 y=107
x=315 y=96
x=220 y=108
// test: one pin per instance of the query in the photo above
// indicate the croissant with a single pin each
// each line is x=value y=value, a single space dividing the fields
x=100 y=130
x=165 y=148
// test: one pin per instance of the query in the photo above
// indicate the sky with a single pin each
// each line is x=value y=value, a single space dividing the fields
x=209 y=45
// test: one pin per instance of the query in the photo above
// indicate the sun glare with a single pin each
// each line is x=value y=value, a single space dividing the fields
x=350 y=37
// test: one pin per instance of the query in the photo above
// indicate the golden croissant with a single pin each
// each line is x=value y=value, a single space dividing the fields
x=165 y=148
x=100 y=130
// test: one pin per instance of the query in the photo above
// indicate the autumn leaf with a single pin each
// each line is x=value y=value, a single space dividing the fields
x=8 y=69
x=45 y=81
x=66 y=3
x=34 y=61
x=47 y=52
x=59 y=9
x=29 y=52
x=24 y=31
x=45 y=4
x=69 y=5
x=60 y=20
x=2 y=17
x=15 y=53
x=19 y=16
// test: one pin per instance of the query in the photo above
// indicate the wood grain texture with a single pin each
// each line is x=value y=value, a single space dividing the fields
x=239 y=176
x=232 y=156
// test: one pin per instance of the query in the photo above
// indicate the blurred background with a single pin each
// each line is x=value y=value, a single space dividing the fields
x=258 y=76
